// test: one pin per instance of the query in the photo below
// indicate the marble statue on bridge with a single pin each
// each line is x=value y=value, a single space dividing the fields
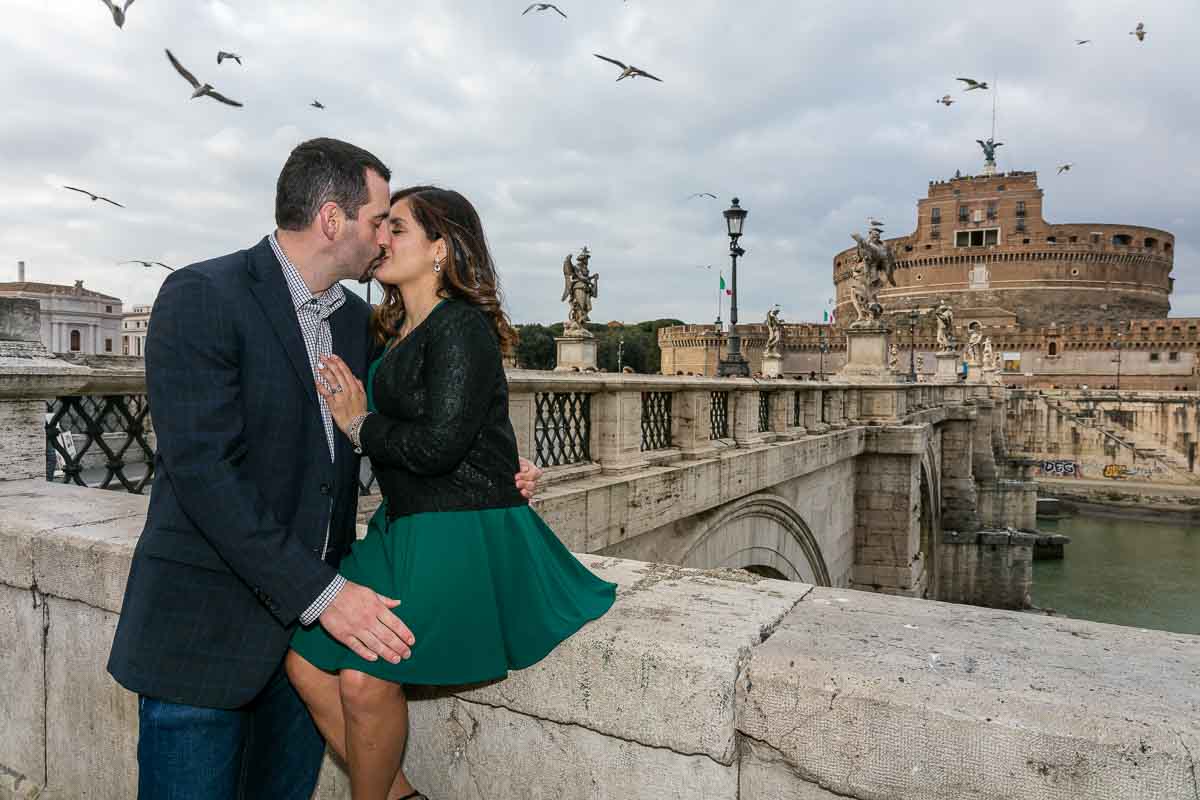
x=580 y=286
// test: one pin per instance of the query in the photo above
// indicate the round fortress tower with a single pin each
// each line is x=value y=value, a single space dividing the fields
x=982 y=245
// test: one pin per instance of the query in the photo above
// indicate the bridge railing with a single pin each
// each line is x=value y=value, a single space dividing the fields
x=94 y=426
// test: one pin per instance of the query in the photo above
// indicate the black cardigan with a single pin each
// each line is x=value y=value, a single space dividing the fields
x=441 y=438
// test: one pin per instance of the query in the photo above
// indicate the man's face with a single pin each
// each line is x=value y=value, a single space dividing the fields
x=359 y=240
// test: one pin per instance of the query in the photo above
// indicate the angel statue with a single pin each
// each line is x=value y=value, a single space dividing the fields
x=989 y=354
x=945 y=326
x=893 y=357
x=989 y=149
x=579 y=287
x=875 y=262
x=774 y=332
x=974 y=343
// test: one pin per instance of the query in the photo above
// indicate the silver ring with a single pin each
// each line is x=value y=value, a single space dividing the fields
x=336 y=389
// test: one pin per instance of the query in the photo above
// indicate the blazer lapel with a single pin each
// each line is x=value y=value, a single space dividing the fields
x=271 y=291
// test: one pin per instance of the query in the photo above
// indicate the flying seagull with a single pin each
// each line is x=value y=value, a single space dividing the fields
x=222 y=55
x=118 y=13
x=626 y=70
x=94 y=197
x=317 y=104
x=1082 y=41
x=702 y=194
x=149 y=264
x=946 y=100
x=200 y=89
x=1064 y=168
x=972 y=84
x=543 y=7
x=1139 y=32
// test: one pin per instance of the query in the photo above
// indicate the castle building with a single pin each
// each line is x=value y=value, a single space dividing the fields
x=1066 y=304
x=74 y=319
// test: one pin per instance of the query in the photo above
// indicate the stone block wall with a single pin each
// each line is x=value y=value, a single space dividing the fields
x=697 y=684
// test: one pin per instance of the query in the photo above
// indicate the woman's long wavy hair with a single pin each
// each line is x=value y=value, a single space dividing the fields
x=468 y=272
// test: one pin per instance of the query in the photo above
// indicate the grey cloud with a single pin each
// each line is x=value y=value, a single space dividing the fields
x=816 y=115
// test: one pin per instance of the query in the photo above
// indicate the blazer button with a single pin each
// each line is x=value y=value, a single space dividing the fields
x=325 y=488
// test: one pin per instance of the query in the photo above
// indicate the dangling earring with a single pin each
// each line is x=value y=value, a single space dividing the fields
x=437 y=264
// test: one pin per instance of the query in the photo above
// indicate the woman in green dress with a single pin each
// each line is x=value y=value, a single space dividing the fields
x=484 y=585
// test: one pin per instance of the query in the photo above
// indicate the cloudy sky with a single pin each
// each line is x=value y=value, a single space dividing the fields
x=816 y=114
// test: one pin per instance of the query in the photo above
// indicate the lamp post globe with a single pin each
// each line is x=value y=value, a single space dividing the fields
x=734 y=364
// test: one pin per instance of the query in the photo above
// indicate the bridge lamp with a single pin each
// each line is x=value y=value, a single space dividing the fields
x=734 y=364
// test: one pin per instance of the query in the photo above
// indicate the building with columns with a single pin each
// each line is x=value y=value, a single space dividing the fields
x=134 y=327
x=74 y=319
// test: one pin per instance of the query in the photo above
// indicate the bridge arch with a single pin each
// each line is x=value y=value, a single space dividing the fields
x=761 y=533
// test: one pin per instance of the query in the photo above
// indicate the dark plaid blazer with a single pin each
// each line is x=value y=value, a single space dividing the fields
x=244 y=488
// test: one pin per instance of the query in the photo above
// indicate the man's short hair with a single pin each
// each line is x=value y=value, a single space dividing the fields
x=320 y=171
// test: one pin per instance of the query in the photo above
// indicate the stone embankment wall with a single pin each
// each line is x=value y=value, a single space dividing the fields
x=1147 y=437
x=697 y=684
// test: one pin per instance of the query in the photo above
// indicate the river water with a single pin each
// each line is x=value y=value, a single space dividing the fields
x=1127 y=572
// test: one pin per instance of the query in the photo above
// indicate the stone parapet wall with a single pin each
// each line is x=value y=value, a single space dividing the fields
x=698 y=683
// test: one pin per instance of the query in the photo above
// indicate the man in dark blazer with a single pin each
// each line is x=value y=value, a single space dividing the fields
x=255 y=494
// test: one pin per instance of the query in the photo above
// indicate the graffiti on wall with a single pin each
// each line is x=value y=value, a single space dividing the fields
x=1120 y=472
x=1060 y=469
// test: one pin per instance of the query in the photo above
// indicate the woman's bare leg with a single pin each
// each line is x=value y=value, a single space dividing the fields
x=376 y=715
x=321 y=692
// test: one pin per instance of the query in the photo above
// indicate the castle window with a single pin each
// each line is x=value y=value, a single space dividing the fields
x=977 y=216
x=1024 y=241
x=1051 y=240
x=1073 y=239
x=108 y=309
x=1167 y=247
x=991 y=211
x=1172 y=356
x=963 y=215
x=1021 y=226
x=908 y=248
x=1154 y=356
x=984 y=237
x=935 y=216
x=1053 y=349
x=108 y=346
x=1000 y=188
x=1122 y=239
x=75 y=342
x=1150 y=243
x=935 y=234
x=1020 y=208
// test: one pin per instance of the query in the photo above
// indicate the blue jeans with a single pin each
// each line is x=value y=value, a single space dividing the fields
x=267 y=750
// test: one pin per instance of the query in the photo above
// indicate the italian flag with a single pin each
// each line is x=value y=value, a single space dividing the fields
x=723 y=288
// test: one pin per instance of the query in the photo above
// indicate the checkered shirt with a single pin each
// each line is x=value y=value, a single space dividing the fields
x=313 y=312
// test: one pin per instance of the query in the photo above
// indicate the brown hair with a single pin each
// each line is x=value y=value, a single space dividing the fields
x=468 y=274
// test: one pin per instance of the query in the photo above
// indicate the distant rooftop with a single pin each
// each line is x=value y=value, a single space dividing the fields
x=34 y=287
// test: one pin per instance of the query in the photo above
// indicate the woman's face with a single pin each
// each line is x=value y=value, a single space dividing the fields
x=410 y=253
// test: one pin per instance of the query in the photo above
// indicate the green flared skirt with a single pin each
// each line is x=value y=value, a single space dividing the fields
x=482 y=591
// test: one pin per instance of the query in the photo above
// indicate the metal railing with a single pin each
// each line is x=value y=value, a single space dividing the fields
x=764 y=412
x=719 y=416
x=112 y=424
x=562 y=429
x=656 y=420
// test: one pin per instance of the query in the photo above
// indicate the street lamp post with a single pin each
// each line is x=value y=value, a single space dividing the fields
x=620 y=354
x=734 y=364
x=913 y=316
x=824 y=348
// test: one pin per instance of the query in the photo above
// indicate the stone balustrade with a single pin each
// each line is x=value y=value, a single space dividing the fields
x=697 y=684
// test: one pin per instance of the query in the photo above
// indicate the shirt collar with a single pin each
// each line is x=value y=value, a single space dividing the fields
x=326 y=302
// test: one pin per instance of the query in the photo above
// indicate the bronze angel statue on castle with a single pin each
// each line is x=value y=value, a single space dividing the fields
x=579 y=287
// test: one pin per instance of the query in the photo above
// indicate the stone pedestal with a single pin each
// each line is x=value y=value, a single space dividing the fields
x=772 y=365
x=991 y=376
x=947 y=367
x=574 y=353
x=867 y=355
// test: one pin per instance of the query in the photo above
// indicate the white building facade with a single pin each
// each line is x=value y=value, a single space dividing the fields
x=74 y=319
x=134 y=327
